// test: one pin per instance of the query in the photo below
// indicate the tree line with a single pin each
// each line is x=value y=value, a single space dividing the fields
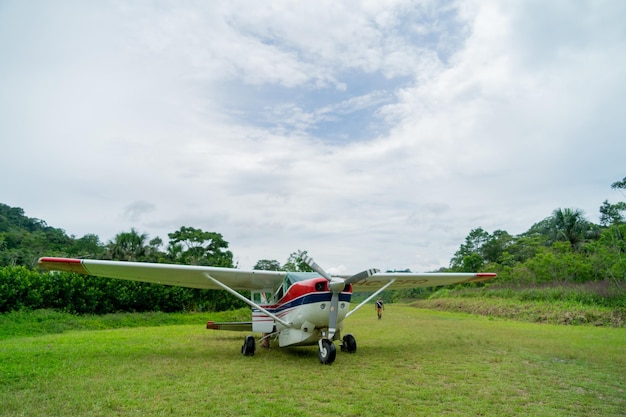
x=23 y=240
x=562 y=248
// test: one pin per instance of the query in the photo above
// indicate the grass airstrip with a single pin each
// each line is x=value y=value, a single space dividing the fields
x=414 y=362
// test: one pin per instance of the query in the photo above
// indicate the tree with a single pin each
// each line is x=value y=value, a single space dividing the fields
x=619 y=185
x=496 y=245
x=542 y=231
x=570 y=225
x=608 y=254
x=469 y=257
x=86 y=246
x=295 y=263
x=611 y=213
x=522 y=248
x=24 y=239
x=129 y=246
x=267 y=265
x=197 y=247
x=559 y=263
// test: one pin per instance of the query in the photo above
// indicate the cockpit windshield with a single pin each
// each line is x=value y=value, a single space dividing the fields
x=293 y=277
x=290 y=279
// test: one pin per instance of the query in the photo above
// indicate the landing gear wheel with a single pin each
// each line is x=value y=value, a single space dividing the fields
x=248 y=346
x=348 y=344
x=327 y=352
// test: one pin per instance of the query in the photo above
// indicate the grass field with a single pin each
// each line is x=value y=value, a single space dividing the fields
x=413 y=362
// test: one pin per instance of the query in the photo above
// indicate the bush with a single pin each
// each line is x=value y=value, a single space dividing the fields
x=22 y=288
x=603 y=293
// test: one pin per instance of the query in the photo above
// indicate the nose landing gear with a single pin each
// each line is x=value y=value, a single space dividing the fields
x=326 y=352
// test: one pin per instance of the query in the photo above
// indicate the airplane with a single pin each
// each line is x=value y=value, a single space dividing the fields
x=297 y=308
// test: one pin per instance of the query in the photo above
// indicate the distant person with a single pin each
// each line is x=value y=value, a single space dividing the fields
x=380 y=307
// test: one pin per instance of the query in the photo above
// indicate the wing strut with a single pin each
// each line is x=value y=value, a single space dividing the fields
x=247 y=301
x=383 y=288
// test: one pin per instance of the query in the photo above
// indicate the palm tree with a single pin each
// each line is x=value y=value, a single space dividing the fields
x=129 y=246
x=569 y=224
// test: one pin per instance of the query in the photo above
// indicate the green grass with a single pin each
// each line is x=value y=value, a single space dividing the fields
x=413 y=362
x=39 y=322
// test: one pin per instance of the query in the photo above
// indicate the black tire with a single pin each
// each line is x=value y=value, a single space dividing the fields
x=349 y=344
x=327 y=352
x=248 y=346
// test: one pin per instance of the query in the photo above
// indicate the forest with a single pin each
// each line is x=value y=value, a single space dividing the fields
x=563 y=256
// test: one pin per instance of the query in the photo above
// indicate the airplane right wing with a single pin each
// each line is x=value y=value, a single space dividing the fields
x=416 y=280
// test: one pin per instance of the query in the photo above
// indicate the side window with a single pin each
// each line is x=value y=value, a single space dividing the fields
x=259 y=297
x=279 y=293
x=283 y=289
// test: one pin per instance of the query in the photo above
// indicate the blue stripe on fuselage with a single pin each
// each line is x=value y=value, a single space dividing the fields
x=316 y=297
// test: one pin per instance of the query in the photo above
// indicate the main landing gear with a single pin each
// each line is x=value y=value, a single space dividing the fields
x=327 y=351
x=348 y=344
x=248 y=346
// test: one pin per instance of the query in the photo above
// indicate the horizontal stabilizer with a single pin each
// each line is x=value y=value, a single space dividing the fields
x=241 y=326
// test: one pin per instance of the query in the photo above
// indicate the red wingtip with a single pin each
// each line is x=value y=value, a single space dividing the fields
x=63 y=264
x=482 y=276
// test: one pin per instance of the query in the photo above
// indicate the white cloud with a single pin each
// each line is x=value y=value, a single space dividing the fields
x=369 y=133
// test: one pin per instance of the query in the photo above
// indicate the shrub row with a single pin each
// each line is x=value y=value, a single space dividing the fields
x=554 y=312
x=23 y=288
x=603 y=293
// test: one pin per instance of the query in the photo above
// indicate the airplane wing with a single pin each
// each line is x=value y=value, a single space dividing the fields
x=169 y=274
x=415 y=280
x=237 y=279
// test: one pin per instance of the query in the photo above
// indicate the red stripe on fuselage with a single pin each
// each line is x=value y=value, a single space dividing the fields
x=308 y=286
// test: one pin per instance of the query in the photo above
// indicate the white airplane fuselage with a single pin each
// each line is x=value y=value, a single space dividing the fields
x=306 y=306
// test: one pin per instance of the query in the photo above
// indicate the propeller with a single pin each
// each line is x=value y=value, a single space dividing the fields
x=335 y=285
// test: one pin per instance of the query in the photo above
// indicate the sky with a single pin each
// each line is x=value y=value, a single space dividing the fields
x=368 y=133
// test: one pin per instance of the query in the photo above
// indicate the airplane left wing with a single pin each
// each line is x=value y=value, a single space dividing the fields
x=169 y=274
x=415 y=280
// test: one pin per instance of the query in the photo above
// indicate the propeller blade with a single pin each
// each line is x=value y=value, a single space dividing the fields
x=335 y=286
x=362 y=275
x=332 y=319
x=314 y=266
